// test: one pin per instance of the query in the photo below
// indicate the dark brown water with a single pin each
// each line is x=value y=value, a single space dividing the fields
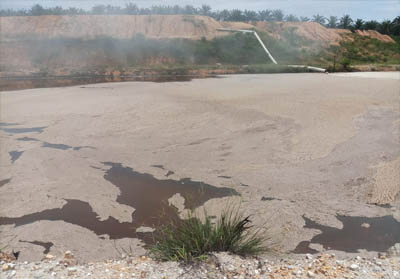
x=159 y=167
x=383 y=233
x=27 y=139
x=45 y=245
x=386 y=205
x=23 y=130
x=4 y=181
x=15 y=155
x=224 y=176
x=63 y=146
x=78 y=213
x=148 y=195
x=5 y=124
x=80 y=147
x=269 y=199
x=56 y=145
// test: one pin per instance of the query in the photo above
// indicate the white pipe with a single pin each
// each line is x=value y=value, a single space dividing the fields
x=267 y=51
x=308 y=67
x=258 y=38
x=265 y=48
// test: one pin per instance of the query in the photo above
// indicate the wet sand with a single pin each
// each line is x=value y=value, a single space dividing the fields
x=294 y=146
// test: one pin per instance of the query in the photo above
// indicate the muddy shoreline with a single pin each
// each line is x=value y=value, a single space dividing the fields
x=13 y=81
x=28 y=82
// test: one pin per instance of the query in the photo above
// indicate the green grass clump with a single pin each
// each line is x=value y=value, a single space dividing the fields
x=191 y=239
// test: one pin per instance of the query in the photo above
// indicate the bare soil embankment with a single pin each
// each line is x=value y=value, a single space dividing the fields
x=309 y=31
x=160 y=27
x=72 y=45
x=376 y=35
x=116 y=26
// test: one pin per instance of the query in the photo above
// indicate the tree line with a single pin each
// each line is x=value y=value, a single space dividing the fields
x=389 y=27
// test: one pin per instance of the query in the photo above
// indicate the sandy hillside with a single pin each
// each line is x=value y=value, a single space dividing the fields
x=309 y=30
x=376 y=35
x=160 y=26
x=236 y=25
x=118 y=26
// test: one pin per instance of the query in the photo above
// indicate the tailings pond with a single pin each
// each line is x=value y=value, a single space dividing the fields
x=103 y=164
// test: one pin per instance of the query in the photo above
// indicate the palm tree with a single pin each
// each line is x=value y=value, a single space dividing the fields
x=190 y=10
x=131 y=9
x=74 y=11
x=359 y=24
x=385 y=27
x=371 y=25
x=99 y=10
x=265 y=15
x=250 y=15
x=345 y=22
x=291 y=18
x=236 y=15
x=112 y=10
x=277 y=15
x=319 y=19
x=205 y=10
x=56 y=10
x=396 y=26
x=37 y=10
x=224 y=15
x=304 y=19
x=332 y=21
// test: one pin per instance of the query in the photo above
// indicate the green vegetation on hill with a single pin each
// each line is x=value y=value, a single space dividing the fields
x=358 y=50
x=236 y=49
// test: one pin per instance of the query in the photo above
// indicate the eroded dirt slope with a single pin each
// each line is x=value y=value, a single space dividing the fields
x=310 y=31
x=376 y=35
x=36 y=44
x=160 y=26
x=118 y=26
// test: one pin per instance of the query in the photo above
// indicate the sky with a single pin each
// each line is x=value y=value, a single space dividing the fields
x=364 y=9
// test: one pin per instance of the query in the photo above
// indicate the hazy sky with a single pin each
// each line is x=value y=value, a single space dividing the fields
x=365 y=9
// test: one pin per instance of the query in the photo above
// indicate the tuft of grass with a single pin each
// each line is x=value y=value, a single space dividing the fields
x=188 y=240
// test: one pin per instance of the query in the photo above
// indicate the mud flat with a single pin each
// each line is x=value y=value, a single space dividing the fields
x=310 y=156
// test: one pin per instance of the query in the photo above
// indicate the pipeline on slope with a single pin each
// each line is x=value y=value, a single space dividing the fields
x=268 y=52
